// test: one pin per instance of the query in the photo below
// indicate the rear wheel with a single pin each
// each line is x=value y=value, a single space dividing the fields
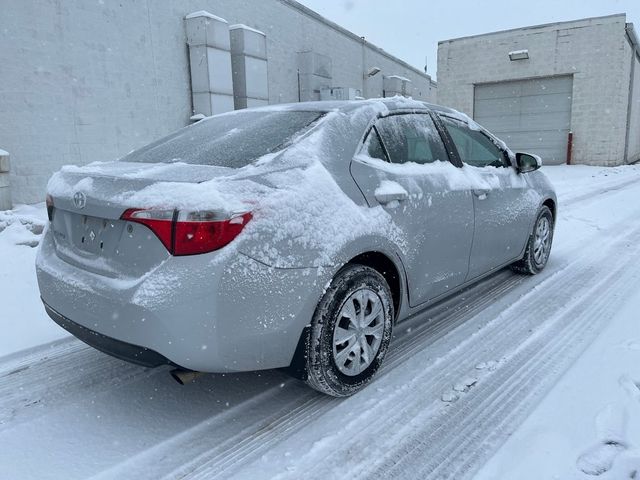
x=350 y=332
x=538 y=248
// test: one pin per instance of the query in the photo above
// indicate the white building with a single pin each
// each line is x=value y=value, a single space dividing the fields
x=90 y=81
x=532 y=86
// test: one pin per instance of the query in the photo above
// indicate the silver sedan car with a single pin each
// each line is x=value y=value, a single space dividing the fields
x=287 y=236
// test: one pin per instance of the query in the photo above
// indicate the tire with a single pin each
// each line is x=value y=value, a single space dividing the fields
x=337 y=362
x=538 y=248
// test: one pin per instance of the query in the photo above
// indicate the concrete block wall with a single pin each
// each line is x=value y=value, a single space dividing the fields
x=90 y=81
x=83 y=81
x=593 y=51
x=633 y=145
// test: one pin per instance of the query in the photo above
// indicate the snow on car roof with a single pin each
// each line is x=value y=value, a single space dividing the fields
x=390 y=103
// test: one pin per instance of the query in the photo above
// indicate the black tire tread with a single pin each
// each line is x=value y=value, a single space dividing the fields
x=526 y=265
x=319 y=374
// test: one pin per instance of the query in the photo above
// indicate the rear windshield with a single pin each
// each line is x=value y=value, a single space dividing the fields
x=227 y=140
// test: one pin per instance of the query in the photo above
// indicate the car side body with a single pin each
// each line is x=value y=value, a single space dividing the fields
x=323 y=202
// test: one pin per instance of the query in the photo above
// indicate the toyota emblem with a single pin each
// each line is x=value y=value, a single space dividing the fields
x=79 y=199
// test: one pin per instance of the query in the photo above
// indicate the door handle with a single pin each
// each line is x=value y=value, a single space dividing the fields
x=384 y=198
x=480 y=193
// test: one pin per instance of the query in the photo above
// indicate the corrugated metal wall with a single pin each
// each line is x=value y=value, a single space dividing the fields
x=529 y=115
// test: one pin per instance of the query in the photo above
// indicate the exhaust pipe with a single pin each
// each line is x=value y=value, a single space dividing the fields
x=184 y=376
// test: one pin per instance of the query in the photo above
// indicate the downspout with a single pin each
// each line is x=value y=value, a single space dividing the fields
x=635 y=51
x=364 y=68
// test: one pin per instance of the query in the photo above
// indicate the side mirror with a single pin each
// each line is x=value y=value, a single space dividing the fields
x=527 y=162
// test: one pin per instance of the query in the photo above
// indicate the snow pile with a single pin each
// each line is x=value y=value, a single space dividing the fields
x=23 y=225
x=23 y=321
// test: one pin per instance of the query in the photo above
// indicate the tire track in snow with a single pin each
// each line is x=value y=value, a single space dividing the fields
x=608 y=187
x=157 y=460
x=31 y=383
x=514 y=389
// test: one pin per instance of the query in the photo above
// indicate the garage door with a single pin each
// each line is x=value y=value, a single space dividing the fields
x=529 y=115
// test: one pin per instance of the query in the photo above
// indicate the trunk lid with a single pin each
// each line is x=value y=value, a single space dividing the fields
x=88 y=203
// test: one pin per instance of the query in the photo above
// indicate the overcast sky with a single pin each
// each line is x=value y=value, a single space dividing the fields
x=411 y=29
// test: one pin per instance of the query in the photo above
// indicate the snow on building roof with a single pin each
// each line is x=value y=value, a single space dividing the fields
x=204 y=13
x=404 y=79
x=245 y=27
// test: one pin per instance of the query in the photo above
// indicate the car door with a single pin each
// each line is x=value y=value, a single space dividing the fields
x=402 y=167
x=503 y=202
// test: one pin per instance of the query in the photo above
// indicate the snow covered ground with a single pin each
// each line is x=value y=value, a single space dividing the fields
x=23 y=322
x=589 y=424
x=517 y=377
x=590 y=421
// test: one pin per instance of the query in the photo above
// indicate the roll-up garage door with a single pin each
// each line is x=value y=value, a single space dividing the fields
x=529 y=115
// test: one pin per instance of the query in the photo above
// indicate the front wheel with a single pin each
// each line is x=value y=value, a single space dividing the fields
x=350 y=332
x=538 y=248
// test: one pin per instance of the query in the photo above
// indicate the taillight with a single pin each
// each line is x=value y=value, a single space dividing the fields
x=49 y=202
x=159 y=222
x=190 y=233
x=201 y=232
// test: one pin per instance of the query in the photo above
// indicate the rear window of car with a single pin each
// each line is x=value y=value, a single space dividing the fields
x=233 y=141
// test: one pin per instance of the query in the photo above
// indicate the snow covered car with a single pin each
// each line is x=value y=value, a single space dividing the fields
x=290 y=236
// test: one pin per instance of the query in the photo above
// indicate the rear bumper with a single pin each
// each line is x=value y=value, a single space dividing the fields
x=116 y=348
x=208 y=313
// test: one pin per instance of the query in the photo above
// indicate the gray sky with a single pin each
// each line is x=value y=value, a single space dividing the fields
x=411 y=29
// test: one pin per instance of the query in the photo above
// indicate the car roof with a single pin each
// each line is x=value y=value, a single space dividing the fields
x=392 y=104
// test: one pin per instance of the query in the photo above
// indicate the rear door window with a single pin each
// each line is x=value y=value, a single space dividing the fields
x=411 y=138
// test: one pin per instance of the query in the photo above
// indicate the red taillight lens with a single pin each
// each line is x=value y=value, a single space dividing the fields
x=49 y=202
x=201 y=232
x=159 y=222
x=190 y=233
